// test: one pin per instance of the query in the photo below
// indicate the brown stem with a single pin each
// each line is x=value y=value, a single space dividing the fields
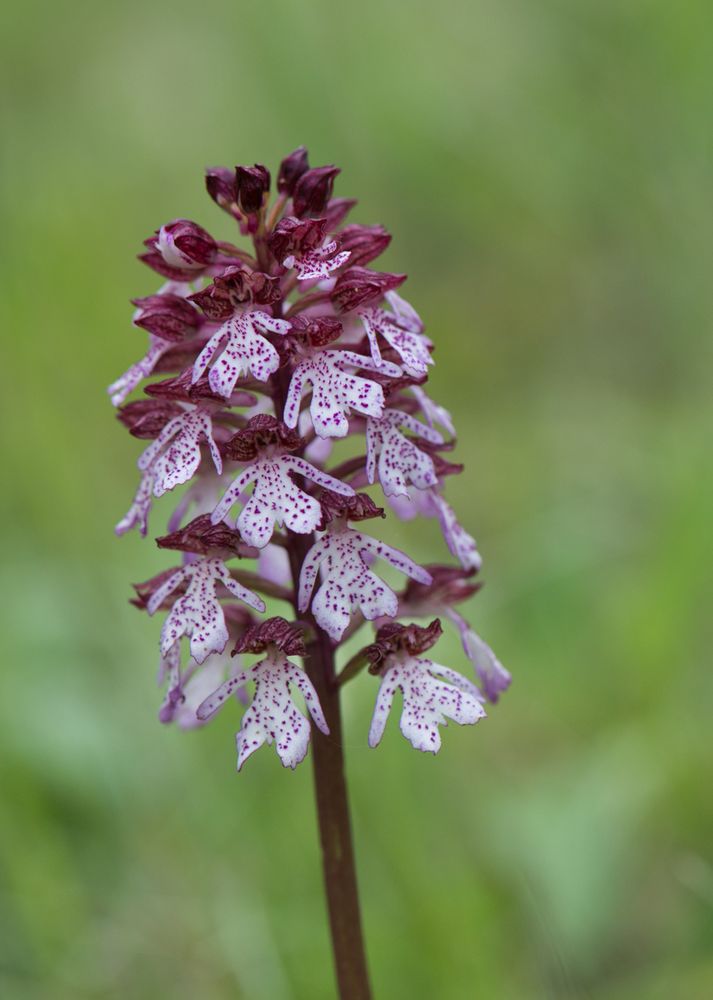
x=335 y=832
x=333 y=812
x=348 y=467
x=306 y=302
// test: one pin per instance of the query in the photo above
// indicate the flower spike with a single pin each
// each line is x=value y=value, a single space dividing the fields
x=262 y=358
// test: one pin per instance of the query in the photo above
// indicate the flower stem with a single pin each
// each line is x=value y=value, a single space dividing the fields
x=333 y=815
x=335 y=830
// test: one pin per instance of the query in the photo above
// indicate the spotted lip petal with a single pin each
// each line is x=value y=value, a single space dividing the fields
x=318 y=264
x=348 y=582
x=399 y=459
x=335 y=391
x=413 y=348
x=138 y=513
x=175 y=455
x=198 y=613
x=241 y=348
x=272 y=716
x=428 y=701
x=276 y=499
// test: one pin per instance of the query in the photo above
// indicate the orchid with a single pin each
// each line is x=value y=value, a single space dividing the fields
x=198 y=613
x=261 y=361
x=243 y=348
x=175 y=454
x=335 y=391
x=431 y=692
x=272 y=716
x=400 y=460
x=402 y=331
x=348 y=582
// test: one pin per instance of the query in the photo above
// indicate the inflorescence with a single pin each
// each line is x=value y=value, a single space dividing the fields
x=263 y=358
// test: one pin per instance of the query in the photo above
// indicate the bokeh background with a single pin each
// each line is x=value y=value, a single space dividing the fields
x=546 y=170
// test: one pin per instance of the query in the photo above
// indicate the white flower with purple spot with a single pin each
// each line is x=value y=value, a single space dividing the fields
x=402 y=330
x=272 y=717
x=317 y=263
x=176 y=454
x=335 y=390
x=276 y=499
x=198 y=614
x=242 y=348
x=141 y=369
x=400 y=460
x=432 y=694
x=347 y=581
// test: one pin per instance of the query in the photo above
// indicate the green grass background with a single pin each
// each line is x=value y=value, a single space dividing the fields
x=546 y=169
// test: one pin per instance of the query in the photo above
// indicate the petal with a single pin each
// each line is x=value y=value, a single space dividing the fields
x=493 y=675
x=384 y=701
x=256 y=522
x=332 y=608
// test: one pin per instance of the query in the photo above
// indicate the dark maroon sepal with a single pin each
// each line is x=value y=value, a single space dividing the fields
x=393 y=386
x=204 y=538
x=276 y=631
x=167 y=316
x=360 y=287
x=442 y=466
x=337 y=210
x=296 y=236
x=191 y=241
x=156 y=262
x=449 y=585
x=146 y=418
x=291 y=169
x=318 y=331
x=252 y=184
x=182 y=388
x=359 y=507
x=220 y=185
x=313 y=190
x=395 y=638
x=237 y=284
x=145 y=590
x=180 y=356
x=364 y=243
x=260 y=432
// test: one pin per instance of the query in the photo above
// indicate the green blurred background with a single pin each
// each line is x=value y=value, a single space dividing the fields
x=545 y=168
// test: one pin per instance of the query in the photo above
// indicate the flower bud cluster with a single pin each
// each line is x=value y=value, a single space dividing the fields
x=260 y=361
